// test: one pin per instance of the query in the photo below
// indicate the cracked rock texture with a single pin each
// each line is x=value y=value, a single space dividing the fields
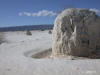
x=76 y=32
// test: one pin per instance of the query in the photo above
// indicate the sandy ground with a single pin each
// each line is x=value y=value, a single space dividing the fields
x=15 y=57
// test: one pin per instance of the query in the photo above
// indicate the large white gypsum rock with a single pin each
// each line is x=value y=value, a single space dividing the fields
x=76 y=32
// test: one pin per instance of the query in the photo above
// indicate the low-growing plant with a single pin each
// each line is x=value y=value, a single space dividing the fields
x=42 y=29
x=1 y=38
x=50 y=32
x=28 y=32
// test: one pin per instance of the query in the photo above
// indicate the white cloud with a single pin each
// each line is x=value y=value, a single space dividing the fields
x=27 y=13
x=20 y=14
x=44 y=13
x=95 y=10
x=39 y=13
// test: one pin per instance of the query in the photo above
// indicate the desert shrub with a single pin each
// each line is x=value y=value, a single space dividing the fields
x=50 y=32
x=28 y=32
x=42 y=29
x=1 y=38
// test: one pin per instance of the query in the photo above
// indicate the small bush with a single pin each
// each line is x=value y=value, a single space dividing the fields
x=28 y=32
x=1 y=38
x=50 y=32
x=42 y=29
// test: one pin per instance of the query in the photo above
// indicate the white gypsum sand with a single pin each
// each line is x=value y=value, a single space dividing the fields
x=16 y=51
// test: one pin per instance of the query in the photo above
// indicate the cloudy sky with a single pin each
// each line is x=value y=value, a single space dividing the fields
x=34 y=12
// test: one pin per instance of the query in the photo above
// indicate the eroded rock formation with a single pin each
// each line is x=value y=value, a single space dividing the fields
x=76 y=32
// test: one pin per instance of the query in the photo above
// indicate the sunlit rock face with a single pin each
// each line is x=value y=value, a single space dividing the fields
x=76 y=32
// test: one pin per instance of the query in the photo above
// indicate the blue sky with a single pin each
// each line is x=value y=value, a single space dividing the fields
x=34 y=12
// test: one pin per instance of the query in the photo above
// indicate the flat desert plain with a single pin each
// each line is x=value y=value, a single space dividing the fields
x=17 y=51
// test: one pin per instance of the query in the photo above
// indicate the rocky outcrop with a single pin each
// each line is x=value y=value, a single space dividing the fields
x=76 y=32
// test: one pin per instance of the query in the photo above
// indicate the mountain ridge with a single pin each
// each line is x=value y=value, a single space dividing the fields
x=27 y=27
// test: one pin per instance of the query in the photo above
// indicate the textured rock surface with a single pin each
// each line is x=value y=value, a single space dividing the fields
x=76 y=32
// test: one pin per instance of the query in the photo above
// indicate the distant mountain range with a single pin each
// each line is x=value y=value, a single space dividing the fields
x=28 y=27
